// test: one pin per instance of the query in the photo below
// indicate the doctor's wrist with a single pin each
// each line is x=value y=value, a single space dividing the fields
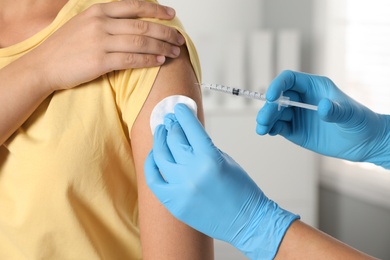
x=381 y=152
x=266 y=231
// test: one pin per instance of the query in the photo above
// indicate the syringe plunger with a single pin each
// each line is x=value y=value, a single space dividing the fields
x=283 y=101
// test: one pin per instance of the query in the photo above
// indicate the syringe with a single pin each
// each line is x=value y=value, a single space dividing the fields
x=283 y=101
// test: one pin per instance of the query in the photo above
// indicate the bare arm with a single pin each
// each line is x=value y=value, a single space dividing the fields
x=103 y=38
x=304 y=242
x=163 y=236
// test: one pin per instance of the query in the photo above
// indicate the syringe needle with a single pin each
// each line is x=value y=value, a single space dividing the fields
x=283 y=101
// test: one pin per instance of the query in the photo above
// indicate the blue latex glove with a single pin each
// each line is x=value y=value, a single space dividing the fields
x=209 y=191
x=341 y=128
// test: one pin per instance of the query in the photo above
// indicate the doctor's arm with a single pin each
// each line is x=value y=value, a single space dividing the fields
x=305 y=242
x=206 y=189
x=103 y=38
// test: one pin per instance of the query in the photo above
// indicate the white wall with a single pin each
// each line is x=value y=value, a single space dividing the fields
x=364 y=226
x=205 y=16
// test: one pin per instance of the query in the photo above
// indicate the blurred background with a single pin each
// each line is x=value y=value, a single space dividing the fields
x=248 y=42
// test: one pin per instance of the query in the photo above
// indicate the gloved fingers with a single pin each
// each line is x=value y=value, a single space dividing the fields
x=287 y=114
x=177 y=141
x=269 y=115
x=325 y=110
x=284 y=81
x=176 y=135
x=334 y=112
x=293 y=95
x=193 y=129
x=169 y=153
x=163 y=190
x=282 y=128
x=152 y=173
x=160 y=146
x=305 y=82
x=289 y=80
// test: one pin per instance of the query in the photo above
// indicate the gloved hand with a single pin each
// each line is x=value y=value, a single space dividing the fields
x=209 y=191
x=341 y=128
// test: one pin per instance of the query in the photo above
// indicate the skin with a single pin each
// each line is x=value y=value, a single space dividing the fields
x=162 y=235
x=305 y=242
x=123 y=43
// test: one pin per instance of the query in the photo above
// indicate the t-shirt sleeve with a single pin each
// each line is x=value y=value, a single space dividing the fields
x=133 y=86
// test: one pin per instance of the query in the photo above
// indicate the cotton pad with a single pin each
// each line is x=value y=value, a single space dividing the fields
x=166 y=106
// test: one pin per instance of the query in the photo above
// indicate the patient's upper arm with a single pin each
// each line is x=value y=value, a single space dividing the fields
x=162 y=236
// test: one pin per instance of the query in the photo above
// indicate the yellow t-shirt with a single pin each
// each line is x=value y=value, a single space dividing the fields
x=67 y=179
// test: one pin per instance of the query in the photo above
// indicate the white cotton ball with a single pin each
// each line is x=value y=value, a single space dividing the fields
x=166 y=106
